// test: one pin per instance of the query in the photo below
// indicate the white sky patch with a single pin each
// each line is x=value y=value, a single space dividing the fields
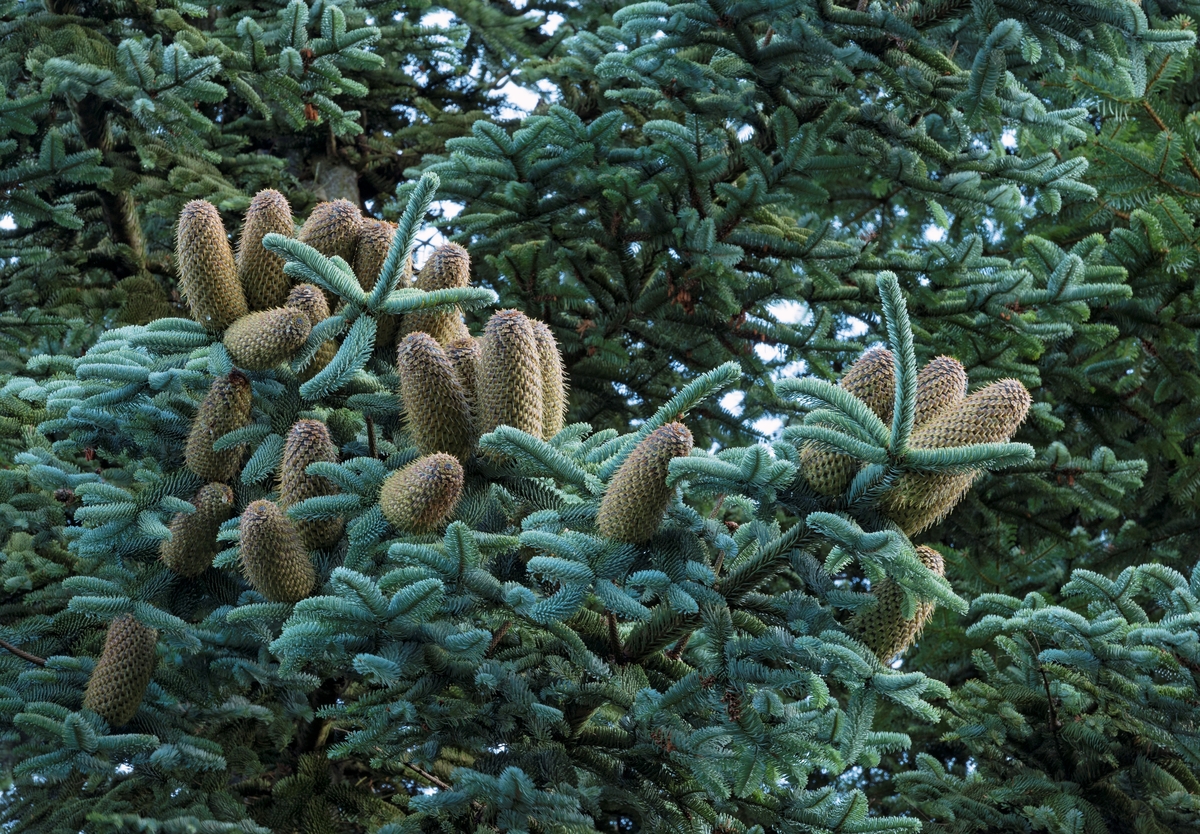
x=853 y=328
x=448 y=208
x=553 y=21
x=8 y=222
x=1009 y=138
x=732 y=402
x=519 y=102
x=791 y=312
x=934 y=234
x=745 y=132
x=769 y=353
x=438 y=17
x=769 y=426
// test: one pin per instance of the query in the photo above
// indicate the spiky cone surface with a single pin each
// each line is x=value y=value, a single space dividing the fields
x=260 y=341
x=224 y=408
x=872 y=378
x=883 y=627
x=259 y=271
x=310 y=299
x=465 y=356
x=636 y=498
x=123 y=672
x=422 y=495
x=207 y=273
x=333 y=229
x=193 y=544
x=274 y=559
x=990 y=415
x=941 y=385
x=435 y=405
x=309 y=441
x=447 y=268
x=554 y=381
x=374 y=238
x=509 y=388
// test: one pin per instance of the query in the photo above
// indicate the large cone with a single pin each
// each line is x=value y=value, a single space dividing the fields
x=193 y=544
x=435 y=405
x=260 y=341
x=274 y=559
x=259 y=271
x=883 y=627
x=554 y=381
x=225 y=407
x=308 y=442
x=123 y=672
x=207 y=273
x=422 y=495
x=510 y=380
x=447 y=268
x=636 y=498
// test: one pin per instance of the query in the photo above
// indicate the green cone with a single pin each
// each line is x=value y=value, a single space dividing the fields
x=990 y=415
x=308 y=442
x=259 y=271
x=435 y=405
x=554 y=381
x=509 y=388
x=883 y=627
x=872 y=378
x=374 y=238
x=193 y=544
x=636 y=498
x=207 y=273
x=332 y=229
x=422 y=495
x=940 y=385
x=447 y=268
x=260 y=341
x=465 y=356
x=274 y=559
x=121 y=675
x=310 y=299
x=224 y=408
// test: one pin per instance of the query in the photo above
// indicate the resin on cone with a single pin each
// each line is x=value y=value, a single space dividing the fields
x=207 y=272
x=422 y=495
x=224 y=408
x=435 y=406
x=509 y=388
x=260 y=341
x=633 y=505
x=308 y=442
x=332 y=229
x=119 y=680
x=259 y=271
x=311 y=300
x=554 y=381
x=274 y=558
x=193 y=544
x=872 y=378
x=447 y=268
x=883 y=627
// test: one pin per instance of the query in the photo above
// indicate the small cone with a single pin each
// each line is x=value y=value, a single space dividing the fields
x=422 y=495
x=309 y=441
x=121 y=675
x=940 y=385
x=260 y=341
x=447 y=268
x=883 y=627
x=207 y=273
x=310 y=299
x=224 y=408
x=509 y=387
x=332 y=229
x=636 y=498
x=990 y=415
x=465 y=356
x=872 y=378
x=259 y=271
x=435 y=405
x=554 y=381
x=273 y=555
x=193 y=544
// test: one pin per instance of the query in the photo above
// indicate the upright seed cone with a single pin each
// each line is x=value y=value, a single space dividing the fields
x=224 y=408
x=311 y=300
x=308 y=442
x=510 y=381
x=872 y=378
x=636 y=498
x=435 y=405
x=123 y=672
x=554 y=381
x=260 y=341
x=207 y=273
x=990 y=415
x=193 y=544
x=447 y=268
x=332 y=229
x=465 y=356
x=374 y=238
x=273 y=555
x=259 y=271
x=940 y=385
x=883 y=627
x=422 y=495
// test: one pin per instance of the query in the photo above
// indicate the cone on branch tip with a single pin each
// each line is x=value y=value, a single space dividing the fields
x=261 y=272
x=208 y=277
x=447 y=268
x=872 y=378
x=633 y=505
x=274 y=559
x=435 y=406
x=193 y=543
x=509 y=388
x=260 y=341
x=309 y=441
x=554 y=381
x=333 y=229
x=118 y=681
x=883 y=627
x=422 y=495
x=224 y=408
